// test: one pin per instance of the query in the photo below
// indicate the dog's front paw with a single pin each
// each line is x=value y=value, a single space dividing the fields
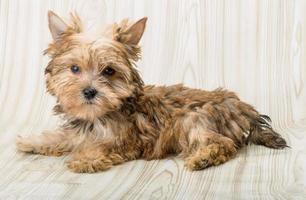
x=24 y=144
x=88 y=165
x=36 y=145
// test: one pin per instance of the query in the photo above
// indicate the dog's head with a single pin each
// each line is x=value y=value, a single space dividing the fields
x=92 y=75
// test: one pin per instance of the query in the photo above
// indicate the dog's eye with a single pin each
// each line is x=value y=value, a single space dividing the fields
x=75 y=69
x=108 y=71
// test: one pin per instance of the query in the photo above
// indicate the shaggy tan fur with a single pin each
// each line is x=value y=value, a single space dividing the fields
x=127 y=120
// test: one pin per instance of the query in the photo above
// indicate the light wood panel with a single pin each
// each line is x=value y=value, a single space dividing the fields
x=255 y=48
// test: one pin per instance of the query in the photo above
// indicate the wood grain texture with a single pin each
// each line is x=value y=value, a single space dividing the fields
x=255 y=48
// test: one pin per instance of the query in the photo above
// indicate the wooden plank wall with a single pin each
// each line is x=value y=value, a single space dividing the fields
x=256 y=48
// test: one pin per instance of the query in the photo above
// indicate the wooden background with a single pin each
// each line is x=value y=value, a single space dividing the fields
x=255 y=48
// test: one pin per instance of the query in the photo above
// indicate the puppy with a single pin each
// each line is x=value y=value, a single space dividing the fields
x=111 y=117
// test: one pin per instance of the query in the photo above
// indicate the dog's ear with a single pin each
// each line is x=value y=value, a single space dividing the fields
x=129 y=35
x=56 y=25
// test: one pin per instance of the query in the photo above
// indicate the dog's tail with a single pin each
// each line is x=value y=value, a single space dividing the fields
x=262 y=133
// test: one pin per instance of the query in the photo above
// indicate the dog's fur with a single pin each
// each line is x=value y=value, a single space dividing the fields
x=127 y=120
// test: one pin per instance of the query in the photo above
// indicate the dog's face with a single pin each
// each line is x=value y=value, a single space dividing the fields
x=91 y=76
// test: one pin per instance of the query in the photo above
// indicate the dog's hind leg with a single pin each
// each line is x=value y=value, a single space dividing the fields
x=214 y=150
x=200 y=145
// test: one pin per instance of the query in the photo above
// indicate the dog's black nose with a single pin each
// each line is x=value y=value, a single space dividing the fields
x=89 y=93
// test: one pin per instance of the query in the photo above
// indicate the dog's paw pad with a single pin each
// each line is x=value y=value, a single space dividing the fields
x=24 y=144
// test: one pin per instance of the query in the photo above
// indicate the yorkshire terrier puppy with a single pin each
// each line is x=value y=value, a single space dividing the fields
x=111 y=117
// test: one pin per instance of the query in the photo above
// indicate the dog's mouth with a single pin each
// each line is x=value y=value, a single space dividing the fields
x=89 y=102
x=92 y=101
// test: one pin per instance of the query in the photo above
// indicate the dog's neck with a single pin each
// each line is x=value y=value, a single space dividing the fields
x=130 y=104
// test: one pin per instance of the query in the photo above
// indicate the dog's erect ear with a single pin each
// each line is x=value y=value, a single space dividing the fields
x=129 y=35
x=56 y=25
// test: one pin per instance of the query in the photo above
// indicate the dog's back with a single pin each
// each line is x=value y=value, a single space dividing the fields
x=221 y=112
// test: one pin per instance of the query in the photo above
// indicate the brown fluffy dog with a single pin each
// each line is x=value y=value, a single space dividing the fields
x=111 y=117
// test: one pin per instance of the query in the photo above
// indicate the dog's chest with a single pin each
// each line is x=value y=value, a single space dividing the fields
x=101 y=130
x=97 y=129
